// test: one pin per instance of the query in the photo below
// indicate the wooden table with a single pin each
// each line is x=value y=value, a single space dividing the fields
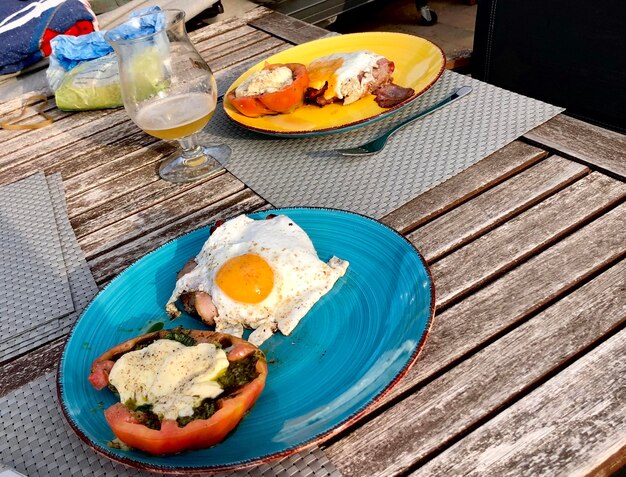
x=524 y=371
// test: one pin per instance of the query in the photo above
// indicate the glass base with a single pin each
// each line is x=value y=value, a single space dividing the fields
x=178 y=168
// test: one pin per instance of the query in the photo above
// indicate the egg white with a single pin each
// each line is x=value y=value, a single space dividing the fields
x=345 y=83
x=300 y=277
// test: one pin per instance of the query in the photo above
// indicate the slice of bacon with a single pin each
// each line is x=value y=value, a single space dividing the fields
x=316 y=96
x=390 y=94
x=99 y=377
x=382 y=73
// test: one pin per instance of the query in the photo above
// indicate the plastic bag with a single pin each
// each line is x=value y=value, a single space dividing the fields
x=90 y=85
x=83 y=71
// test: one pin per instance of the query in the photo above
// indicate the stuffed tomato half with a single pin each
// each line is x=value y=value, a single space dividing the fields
x=179 y=389
x=277 y=88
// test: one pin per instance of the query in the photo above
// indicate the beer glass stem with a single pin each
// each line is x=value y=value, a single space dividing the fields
x=193 y=154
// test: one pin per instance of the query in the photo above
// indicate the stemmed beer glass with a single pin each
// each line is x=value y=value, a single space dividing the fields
x=168 y=90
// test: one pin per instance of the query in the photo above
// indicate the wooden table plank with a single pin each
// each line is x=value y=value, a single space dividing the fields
x=575 y=424
x=524 y=290
x=31 y=117
x=10 y=106
x=236 y=56
x=17 y=372
x=230 y=36
x=70 y=130
x=490 y=171
x=524 y=235
x=253 y=40
x=102 y=142
x=125 y=202
x=505 y=303
x=458 y=401
x=160 y=214
x=288 y=28
x=495 y=206
x=591 y=144
x=223 y=26
x=109 y=264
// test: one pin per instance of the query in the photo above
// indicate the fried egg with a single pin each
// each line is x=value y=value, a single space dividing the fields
x=348 y=74
x=260 y=274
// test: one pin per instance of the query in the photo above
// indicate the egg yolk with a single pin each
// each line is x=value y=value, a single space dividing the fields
x=325 y=71
x=246 y=278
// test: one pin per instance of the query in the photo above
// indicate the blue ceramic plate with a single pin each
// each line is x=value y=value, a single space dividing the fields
x=348 y=351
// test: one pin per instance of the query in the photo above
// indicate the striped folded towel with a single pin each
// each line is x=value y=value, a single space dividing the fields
x=27 y=26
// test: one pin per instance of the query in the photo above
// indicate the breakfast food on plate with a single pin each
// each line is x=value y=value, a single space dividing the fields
x=259 y=274
x=275 y=89
x=341 y=77
x=179 y=389
x=348 y=77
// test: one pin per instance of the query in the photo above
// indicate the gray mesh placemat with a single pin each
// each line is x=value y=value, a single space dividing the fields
x=82 y=285
x=38 y=442
x=306 y=172
x=34 y=286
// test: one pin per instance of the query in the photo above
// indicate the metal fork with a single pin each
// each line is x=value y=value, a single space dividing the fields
x=377 y=145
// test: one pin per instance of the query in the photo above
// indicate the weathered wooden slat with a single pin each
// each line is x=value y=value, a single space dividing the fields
x=451 y=405
x=31 y=117
x=238 y=55
x=473 y=181
x=520 y=293
x=105 y=266
x=232 y=38
x=16 y=373
x=495 y=206
x=116 y=201
x=591 y=144
x=160 y=214
x=70 y=130
x=71 y=160
x=243 y=42
x=468 y=325
x=10 y=106
x=103 y=181
x=521 y=237
x=575 y=424
x=218 y=28
x=288 y=28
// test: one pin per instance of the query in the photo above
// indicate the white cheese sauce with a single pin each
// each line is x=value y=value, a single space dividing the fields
x=174 y=378
x=265 y=81
x=342 y=71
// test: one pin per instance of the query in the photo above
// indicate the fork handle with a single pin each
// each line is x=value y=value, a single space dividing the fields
x=459 y=93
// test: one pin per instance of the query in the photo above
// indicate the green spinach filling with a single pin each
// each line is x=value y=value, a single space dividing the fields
x=238 y=374
x=176 y=334
x=143 y=414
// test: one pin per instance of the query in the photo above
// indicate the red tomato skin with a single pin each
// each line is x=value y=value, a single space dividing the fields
x=283 y=101
x=249 y=106
x=198 y=434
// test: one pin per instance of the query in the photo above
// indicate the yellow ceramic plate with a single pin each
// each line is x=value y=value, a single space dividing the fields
x=418 y=64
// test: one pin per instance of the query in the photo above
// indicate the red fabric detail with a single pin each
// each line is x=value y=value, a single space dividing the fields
x=81 y=27
x=84 y=27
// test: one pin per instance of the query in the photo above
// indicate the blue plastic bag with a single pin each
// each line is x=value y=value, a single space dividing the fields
x=69 y=51
x=83 y=70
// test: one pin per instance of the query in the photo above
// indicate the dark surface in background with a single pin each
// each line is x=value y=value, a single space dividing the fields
x=316 y=11
x=570 y=53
